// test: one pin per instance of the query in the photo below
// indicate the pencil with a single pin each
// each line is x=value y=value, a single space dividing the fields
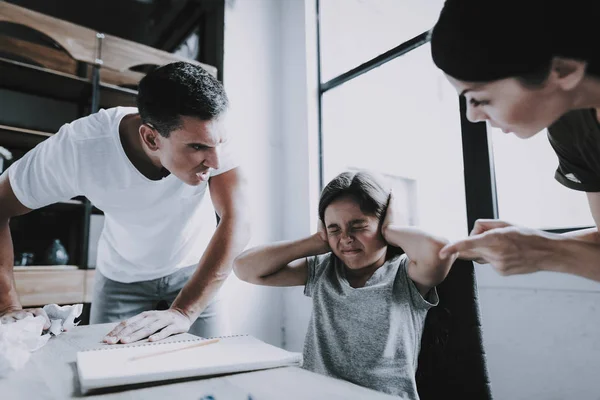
x=202 y=343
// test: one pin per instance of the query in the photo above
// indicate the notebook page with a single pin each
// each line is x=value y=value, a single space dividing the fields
x=111 y=367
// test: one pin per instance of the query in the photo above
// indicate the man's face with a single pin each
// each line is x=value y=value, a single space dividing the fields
x=191 y=151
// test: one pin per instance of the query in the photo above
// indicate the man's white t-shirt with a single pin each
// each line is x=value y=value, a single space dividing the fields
x=152 y=228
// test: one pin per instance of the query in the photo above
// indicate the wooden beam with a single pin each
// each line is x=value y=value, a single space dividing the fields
x=42 y=55
x=122 y=55
x=88 y=290
x=38 y=288
x=78 y=41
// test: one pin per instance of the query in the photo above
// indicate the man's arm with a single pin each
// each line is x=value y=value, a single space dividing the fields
x=516 y=250
x=228 y=194
x=10 y=307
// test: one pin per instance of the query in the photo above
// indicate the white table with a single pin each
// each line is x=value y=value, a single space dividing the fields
x=51 y=374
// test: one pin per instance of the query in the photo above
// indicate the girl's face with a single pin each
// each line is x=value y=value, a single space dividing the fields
x=354 y=237
x=509 y=105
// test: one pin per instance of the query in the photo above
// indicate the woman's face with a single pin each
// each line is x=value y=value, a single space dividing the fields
x=354 y=237
x=512 y=107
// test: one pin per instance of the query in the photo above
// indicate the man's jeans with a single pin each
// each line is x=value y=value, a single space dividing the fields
x=115 y=301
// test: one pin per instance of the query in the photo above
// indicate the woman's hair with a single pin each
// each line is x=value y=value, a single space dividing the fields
x=368 y=190
x=479 y=41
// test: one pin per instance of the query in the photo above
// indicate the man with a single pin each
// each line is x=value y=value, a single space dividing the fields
x=148 y=169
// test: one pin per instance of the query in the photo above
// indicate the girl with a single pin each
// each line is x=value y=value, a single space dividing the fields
x=526 y=65
x=369 y=300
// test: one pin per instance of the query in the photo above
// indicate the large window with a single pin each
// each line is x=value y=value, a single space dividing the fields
x=401 y=120
x=387 y=108
x=355 y=31
x=527 y=192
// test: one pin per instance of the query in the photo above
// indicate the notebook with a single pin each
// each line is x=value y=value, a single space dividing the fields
x=126 y=365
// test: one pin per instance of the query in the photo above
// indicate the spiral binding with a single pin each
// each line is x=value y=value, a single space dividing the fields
x=128 y=346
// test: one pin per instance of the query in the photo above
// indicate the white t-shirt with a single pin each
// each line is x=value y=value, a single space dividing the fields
x=152 y=228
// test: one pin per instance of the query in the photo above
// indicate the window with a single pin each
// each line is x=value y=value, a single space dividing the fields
x=527 y=192
x=355 y=31
x=381 y=120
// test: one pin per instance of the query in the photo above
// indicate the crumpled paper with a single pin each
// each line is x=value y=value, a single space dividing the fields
x=62 y=318
x=19 y=339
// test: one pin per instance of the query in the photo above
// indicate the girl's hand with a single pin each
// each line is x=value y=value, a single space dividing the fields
x=393 y=216
x=321 y=239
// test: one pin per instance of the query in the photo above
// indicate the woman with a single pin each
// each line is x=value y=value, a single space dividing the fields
x=524 y=66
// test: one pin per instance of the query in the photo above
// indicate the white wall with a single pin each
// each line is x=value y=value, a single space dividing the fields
x=252 y=75
x=271 y=82
x=541 y=334
x=528 y=194
x=547 y=324
x=299 y=130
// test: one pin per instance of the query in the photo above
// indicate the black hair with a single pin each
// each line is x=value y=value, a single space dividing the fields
x=479 y=41
x=179 y=89
x=366 y=189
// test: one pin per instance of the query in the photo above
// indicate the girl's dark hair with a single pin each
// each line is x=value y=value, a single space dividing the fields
x=366 y=189
x=363 y=186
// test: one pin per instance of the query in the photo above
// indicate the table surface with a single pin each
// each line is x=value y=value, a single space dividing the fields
x=51 y=373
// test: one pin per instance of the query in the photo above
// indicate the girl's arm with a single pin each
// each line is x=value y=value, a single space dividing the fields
x=425 y=268
x=281 y=263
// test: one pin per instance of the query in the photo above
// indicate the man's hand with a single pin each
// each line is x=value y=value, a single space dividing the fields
x=156 y=325
x=14 y=315
x=509 y=249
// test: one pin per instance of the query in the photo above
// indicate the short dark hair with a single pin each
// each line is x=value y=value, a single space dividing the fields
x=179 y=89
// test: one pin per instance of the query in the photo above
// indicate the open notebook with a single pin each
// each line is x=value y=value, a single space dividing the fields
x=110 y=366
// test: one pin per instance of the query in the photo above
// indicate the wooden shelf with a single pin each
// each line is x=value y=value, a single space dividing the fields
x=45 y=268
x=13 y=136
x=46 y=285
x=72 y=202
x=35 y=80
x=112 y=95
x=27 y=78
x=25 y=131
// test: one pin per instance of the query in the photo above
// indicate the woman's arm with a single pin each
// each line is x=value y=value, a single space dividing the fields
x=426 y=268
